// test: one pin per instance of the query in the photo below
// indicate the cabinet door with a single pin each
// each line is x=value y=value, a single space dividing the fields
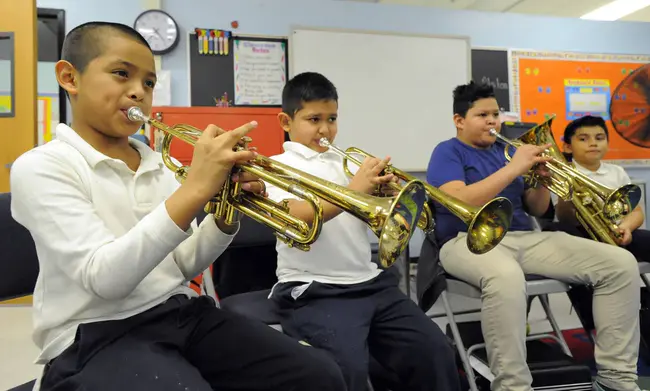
x=267 y=137
x=17 y=82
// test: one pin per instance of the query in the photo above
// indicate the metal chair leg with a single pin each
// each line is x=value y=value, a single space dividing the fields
x=556 y=327
x=469 y=371
x=407 y=272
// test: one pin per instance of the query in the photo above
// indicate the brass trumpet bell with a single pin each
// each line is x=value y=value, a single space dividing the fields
x=486 y=226
x=392 y=219
x=599 y=208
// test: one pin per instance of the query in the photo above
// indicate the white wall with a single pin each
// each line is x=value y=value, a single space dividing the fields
x=275 y=17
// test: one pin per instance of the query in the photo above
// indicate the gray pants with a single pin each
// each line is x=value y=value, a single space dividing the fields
x=611 y=270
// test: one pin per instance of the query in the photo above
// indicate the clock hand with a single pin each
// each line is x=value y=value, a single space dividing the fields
x=158 y=33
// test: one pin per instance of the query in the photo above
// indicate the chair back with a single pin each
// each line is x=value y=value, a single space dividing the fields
x=18 y=259
x=430 y=278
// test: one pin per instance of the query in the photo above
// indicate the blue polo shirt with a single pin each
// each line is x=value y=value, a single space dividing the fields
x=452 y=160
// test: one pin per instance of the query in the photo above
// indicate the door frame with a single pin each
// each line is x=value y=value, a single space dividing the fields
x=59 y=16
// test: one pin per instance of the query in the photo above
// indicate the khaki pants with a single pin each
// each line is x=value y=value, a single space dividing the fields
x=612 y=271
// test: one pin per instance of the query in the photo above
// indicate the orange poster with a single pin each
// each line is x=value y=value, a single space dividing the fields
x=571 y=85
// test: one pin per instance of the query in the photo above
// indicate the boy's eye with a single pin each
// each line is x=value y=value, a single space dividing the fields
x=121 y=73
x=150 y=83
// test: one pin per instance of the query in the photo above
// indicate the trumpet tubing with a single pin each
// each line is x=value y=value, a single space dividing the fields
x=598 y=207
x=487 y=225
x=391 y=219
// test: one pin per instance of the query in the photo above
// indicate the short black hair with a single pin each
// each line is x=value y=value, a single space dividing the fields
x=306 y=87
x=587 y=120
x=84 y=42
x=466 y=94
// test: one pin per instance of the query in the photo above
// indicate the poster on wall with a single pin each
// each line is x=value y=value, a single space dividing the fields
x=570 y=86
x=260 y=72
x=490 y=66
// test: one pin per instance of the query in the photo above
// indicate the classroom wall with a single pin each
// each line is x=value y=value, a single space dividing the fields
x=275 y=17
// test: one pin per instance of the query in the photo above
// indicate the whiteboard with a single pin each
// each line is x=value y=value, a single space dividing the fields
x=395 y=90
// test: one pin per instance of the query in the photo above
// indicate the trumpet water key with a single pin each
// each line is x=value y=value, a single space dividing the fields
x=486 y=226
x=392 y=219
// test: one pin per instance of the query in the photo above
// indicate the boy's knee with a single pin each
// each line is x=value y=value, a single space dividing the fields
x=622 y=262
x=506 y=281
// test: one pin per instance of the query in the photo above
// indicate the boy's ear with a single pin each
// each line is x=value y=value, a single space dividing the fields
x=459 y=120
x=67 y=76
x=285 y=121
x=566 y=148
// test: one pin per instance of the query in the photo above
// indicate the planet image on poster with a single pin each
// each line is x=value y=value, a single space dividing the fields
x=629 y=107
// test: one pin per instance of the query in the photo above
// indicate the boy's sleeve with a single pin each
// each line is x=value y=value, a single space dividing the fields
x=50 y=200
x=445 y=165
x=206 y=243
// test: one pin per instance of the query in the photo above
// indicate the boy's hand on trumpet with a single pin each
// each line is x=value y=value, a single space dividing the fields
x=529 y=155
x=369 y=177
x=215 y=154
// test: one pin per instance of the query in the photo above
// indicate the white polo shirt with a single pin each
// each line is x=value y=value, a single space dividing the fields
x=106 y=245
x=341 y=254
x=610 y=175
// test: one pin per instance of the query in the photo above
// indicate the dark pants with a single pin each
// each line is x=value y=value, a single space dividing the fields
x=189 y=344
x=582 y=296
x=374 y=318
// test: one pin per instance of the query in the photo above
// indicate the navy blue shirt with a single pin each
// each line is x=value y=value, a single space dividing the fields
x=452 y=160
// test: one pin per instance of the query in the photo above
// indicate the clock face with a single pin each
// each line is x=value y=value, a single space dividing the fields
x=159 y=29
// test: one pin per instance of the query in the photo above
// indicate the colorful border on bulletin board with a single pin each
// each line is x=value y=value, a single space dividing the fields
x=44 y=119
x=259 y=75
x=571 y=85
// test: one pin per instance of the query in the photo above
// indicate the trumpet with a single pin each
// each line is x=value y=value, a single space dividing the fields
x=487 y=225
x=391 y=219
x=599 y=208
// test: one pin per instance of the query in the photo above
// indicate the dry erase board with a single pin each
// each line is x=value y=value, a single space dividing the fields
x=251 y=74
x=395 y=90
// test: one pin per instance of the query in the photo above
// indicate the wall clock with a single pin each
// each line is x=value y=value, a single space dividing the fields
x=159 y=29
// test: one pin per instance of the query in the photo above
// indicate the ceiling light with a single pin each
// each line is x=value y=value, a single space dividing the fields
x=616 y=10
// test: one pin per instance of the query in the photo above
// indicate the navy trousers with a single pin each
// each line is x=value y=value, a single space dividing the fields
x=189 y=344
x=374 y=318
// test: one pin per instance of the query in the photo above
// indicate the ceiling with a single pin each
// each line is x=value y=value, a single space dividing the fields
x=559 y=8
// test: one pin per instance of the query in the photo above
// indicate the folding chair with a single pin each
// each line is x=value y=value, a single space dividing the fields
x=18 y=262
x=473 y=357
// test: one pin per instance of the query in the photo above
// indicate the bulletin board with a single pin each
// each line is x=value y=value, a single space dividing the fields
x=571 y=85
x=251 y=73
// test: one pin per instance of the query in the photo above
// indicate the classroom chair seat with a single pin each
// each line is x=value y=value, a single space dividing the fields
x=29 y=386
x=535 y=285
x=644 y=267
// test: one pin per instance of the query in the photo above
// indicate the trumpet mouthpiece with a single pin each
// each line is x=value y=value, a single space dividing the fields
x=493 y=132
x=323 y=142
x=135 y=114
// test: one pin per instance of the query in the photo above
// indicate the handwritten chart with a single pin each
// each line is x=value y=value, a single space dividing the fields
x=260 y=72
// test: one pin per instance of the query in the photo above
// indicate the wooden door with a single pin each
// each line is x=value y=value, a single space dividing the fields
x=18 y=133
